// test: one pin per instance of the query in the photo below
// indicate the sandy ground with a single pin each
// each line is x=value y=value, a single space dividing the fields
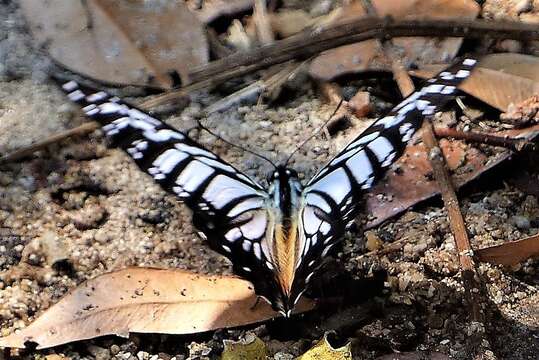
x=79 y=209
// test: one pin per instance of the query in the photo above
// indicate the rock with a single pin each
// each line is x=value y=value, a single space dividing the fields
x=99 y=353
x=521 y=222
x=114 y=349
x=89 y=217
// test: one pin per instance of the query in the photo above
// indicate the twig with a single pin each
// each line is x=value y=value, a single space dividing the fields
x=262 y=23
x=387 y=249
x=21 y=153
x=456 y=221
x=515 y=144
x=314 y=41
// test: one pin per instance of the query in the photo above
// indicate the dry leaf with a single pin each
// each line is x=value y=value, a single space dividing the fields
x=289 y=22
x=366 y=55
x=124 y=42
x=394 y=194
x=499 y=80
x=510 y=253
x=250 y=348
x=146 y=300
x=324 y=351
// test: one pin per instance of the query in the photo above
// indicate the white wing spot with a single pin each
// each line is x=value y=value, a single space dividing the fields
x=257 y=251
x=75 y=95
x=324 y=228
x=233 y=234
x=246 y=245
x=462 y=74
x=100 y=95
x=70 y=86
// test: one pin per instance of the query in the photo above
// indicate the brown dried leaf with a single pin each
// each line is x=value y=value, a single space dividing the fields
x=510 y=253
x=499 y=80
x=146 y=300
x=124 y=42
x=366 y=55
x=289 y=22
x=394 y=194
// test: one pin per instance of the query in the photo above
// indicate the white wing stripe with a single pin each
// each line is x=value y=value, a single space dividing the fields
x=191 y=150
x=381 y=147
x=336 y=184
x=222 y=190
x=318 y=201
x=163 y=135
x=360 y=166
x=194 y=174
x=245 y=205
x=167 y=161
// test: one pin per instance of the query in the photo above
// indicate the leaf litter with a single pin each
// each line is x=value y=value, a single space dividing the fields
x=408 y=255
x=366 y=56
x=120 y=41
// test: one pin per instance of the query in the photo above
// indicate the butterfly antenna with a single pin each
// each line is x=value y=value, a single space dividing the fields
x=315 y=132
x=201 y=126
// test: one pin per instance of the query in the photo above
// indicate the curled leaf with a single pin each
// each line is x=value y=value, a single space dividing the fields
x=146 y=300
x=249 y=348
x=324 y=351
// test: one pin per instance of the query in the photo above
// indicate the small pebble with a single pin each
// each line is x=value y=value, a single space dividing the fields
x=521 y=222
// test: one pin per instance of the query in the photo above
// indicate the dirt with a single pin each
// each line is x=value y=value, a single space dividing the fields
x=79 y=209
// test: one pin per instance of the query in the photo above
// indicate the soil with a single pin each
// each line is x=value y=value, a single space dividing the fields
x=79 y=209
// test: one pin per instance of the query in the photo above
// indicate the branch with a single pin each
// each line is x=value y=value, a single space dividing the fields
x=456 y=221
x=515 y=144
x=314 y=41
x=29 y=150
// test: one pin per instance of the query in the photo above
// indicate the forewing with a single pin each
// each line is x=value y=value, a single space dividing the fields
x=228 y=207
x=332 y=197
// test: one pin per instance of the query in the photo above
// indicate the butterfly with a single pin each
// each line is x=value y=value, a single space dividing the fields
x=276 y=237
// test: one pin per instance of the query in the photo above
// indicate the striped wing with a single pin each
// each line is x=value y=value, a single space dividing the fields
x=332 y=197
x=228 y=208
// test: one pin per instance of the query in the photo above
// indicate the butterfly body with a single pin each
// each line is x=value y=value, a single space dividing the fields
x=276 y=237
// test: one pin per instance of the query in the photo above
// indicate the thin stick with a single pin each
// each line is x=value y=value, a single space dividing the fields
x=456 y=221
x=21 y=153
x=482 y=138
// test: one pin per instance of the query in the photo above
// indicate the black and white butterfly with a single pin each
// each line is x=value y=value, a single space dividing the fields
x=276 y=237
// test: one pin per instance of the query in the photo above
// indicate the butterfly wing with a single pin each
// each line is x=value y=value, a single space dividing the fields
x=332 y=197
x=228 y=207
